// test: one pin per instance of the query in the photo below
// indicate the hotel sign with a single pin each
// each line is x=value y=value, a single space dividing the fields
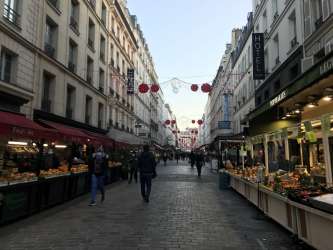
x=278 y=99
x=326 y=66
x=258 y=42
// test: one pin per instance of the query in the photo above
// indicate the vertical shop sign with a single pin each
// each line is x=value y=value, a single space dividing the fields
x=130 y=81
x=258 y=56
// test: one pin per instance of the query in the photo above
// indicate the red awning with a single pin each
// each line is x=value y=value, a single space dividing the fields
x=100 y=139
x=19 y=126
x=68 y=133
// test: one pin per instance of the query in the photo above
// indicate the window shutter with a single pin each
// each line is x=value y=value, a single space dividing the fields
x=307 y=18
x=326 y=9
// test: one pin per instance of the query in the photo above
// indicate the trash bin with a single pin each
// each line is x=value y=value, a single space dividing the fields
x=224 y=180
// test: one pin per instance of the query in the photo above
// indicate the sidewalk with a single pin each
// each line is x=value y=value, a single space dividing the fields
x=184 y=213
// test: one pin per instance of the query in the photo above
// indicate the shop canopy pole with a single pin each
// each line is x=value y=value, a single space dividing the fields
x=286 y=148
x=327 y=156
x=301 y=151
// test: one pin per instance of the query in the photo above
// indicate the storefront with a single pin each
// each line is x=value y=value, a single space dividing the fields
x=44 y=164
x=291 y=144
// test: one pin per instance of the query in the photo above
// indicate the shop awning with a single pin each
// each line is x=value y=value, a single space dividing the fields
x=18 y=125
x=100 y=139
x=67 y=133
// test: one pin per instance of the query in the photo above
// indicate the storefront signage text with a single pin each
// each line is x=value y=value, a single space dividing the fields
x=326 y=66
x=279 y=98
x=22 y=131
x=258 y=56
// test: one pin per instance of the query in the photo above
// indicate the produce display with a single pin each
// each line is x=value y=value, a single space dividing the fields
x=14 y=177
x=81 y=168
x=54 y=172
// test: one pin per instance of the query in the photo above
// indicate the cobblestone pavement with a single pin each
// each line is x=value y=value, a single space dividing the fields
x=184 y=213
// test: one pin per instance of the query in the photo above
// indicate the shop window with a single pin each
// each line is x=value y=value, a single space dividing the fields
x=70 y=103
x=48 y=92
x=8 y=66
x=11 y=11
x=51 y=37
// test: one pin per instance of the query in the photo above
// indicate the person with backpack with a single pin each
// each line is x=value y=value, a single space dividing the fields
x=147 y=168
x=199 y=161
x=97 y=167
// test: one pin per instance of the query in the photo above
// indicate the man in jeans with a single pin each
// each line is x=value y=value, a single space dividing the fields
x=147 y=168
x=98 y=170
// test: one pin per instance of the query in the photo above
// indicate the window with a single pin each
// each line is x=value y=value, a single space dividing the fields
x=92 y=4
x=72 y=56
x=91 y=35
x=103 y=14
x=48 y=90
x=258 y=100
x=100 y=115
x=112 y=55
x=90 y=70
x=101 y=80
x=317 y=12
x=276 y=50
x=264 y=21
x=75 y=14
x=51 y=36
x=307 y=18
x=118 y=62
x=11 y=11
x=123 y=67
x=8 y=66
x=102 y=49
x=292 y=29
x=327 y=8
x=88 y=110
x=275 y=9
x=70 y=102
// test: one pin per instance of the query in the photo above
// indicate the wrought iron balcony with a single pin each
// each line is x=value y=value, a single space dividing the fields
x=89 y=79
x=49 y=50
x=11 y=15
x=319 y=22
x=71 y=67
x=73 y=23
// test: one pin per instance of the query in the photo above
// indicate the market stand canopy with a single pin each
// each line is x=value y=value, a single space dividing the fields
x=18 y=125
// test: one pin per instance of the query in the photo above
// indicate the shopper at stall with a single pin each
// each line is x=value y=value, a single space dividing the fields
x=97 y=168
x=133 y=167
x=147 y=168
x=199 y=162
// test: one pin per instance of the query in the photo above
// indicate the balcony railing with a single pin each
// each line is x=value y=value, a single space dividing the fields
x=49 y=50
x=11 y=15
x=293 y=43
x=92 y=4
x=91 y=44
x=54 y=3
x=71 y=67
x=101 y=89
x=89 y=79
x=69 y=113
x=46 y=105
x=73 y=23
x=319 y=22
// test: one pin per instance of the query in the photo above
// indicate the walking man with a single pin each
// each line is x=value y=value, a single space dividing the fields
x=147 y=168
x=165 y=158
x=199 y=162
x=98 y=165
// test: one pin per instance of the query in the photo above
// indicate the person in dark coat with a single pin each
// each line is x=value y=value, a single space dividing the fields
x=147 y=168
x=97 y=170
x=165 y=158
x=199 y=162
x=133 y=168
x=192 y=159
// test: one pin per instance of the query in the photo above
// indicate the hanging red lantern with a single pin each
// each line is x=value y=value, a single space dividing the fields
x=194 y=87
x=200 y=122
x=143 y=88
x=193 y=121
x=167 y=122
x=206 y=88
x=154 y=88
x=173 y=122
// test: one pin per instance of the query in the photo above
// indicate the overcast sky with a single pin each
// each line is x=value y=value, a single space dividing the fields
x=187 y=39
